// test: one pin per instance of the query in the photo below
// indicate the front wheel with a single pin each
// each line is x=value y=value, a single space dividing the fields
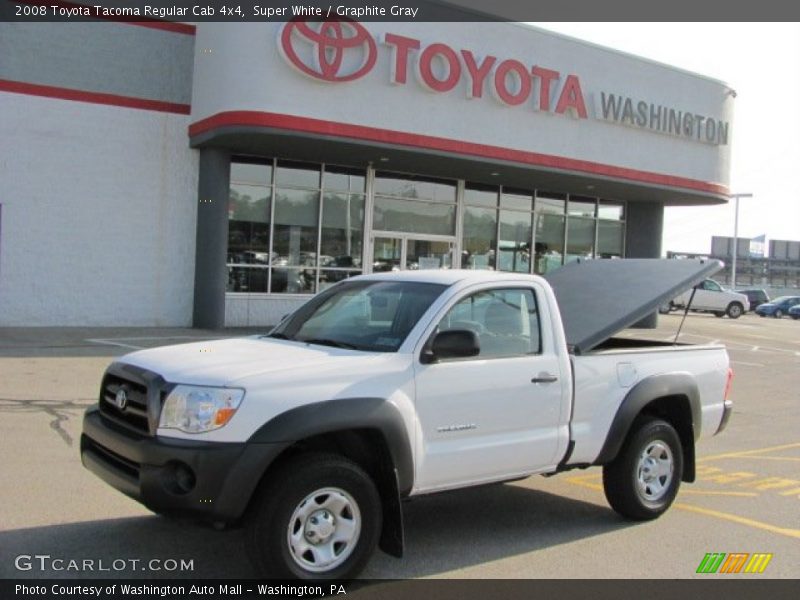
x=735 y=310
x=643 y=480
x=317 y=517
x=778 y=314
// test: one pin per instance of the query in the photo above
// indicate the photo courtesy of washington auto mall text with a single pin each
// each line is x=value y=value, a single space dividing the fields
x=177 y=590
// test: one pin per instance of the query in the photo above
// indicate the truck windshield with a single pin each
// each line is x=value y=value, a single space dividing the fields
x=374 y=316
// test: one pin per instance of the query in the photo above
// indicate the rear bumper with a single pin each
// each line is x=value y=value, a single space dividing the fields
x=726 y=415
x=206 y=480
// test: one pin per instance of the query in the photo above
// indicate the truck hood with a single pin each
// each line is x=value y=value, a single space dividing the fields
x=224 y=362
x=599 y=298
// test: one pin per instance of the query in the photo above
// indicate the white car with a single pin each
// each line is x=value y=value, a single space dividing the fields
x=393 y=385
x=710 y=296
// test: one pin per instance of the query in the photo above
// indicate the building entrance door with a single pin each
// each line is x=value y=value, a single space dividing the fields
x=393 y=252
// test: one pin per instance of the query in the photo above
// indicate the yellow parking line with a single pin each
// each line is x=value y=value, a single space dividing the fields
x=790 y=458
x=703 y=493
x=585 y=483
x=747 y=452
x=795 y=533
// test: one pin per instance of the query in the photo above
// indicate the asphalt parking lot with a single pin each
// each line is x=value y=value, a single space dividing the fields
x=745 y=500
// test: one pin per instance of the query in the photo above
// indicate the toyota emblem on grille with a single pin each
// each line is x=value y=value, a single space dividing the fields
x=121 y=399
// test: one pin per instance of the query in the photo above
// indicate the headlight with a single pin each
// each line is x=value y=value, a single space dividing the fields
x=195 y=409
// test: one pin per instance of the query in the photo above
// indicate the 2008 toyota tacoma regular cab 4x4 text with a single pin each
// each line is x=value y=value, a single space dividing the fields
x=393 y=385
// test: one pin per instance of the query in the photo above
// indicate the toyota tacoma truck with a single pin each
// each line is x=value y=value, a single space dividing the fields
x=393 y=385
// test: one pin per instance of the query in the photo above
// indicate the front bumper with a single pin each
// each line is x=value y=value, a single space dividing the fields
x=206 y=480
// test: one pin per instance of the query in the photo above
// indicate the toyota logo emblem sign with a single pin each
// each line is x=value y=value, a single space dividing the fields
x=121 y=399
x=335 y=50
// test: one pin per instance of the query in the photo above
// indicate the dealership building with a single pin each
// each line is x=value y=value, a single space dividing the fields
x=218 y=174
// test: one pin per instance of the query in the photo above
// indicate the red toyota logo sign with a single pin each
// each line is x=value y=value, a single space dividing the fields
x=334 y=50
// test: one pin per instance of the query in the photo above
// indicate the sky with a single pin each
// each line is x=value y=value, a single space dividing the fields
x=761 y=61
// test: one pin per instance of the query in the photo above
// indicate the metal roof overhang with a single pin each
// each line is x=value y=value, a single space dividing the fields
x=608 y=182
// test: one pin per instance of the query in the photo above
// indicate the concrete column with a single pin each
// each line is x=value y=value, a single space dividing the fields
x=644 y=227
x=211 y=274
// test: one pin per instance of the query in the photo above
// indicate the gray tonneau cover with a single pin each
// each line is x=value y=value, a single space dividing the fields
x=599 y=298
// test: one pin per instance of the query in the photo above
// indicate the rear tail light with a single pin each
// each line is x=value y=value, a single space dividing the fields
x=728 y=384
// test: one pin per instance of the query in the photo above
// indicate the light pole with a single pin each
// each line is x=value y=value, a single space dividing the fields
x=736 y=236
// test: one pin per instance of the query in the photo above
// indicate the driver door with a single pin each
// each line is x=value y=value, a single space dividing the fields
x=501 y=413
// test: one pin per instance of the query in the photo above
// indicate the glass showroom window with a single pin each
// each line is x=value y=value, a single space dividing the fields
x=342 y=233
x=412 y=204
x=308 y=237
x=514 y=238
x=549 y=229
x=581 y=212
x=248 y=226
x=480 y=227
x=610 y=230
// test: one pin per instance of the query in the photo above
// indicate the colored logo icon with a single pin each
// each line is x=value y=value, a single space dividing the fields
x=734 y=562
x=335 y=50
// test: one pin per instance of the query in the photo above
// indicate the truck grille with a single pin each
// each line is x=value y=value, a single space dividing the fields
x=133 y=412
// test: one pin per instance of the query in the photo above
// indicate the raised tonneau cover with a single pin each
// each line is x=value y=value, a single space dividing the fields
x=599 y=298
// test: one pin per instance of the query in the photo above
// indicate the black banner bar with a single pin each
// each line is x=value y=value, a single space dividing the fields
x=727 y=588
x=397 y=10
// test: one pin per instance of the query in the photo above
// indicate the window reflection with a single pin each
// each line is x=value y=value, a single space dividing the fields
x=514 y=245
x=315 y=239
x=411 y=216
x=549 y=246
x=580 y=238
x=480 y=237
x=415 y=187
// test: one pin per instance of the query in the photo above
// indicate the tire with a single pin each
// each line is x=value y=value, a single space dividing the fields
x=735 y=310
x=300 y=510
x=629 y=488
x=719 y=314
x=778 y=314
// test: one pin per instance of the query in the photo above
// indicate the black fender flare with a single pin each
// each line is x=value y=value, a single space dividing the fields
x=643 y=393
x=343 y=414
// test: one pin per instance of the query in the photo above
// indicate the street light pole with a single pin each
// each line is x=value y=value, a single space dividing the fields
x=736 y=236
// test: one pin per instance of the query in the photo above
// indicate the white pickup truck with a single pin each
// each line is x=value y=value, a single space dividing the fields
x=394 y=385
x=709 y=296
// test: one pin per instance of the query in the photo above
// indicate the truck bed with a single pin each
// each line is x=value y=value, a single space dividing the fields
x=605 y=375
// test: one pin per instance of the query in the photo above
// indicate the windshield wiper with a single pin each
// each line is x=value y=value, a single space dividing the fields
x=330 y=342
x=279 y=336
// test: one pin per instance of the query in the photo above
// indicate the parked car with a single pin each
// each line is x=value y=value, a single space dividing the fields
x=778 y=307
x=756 y=296
x=794 y=312
x=709 y=296
x=394 y=385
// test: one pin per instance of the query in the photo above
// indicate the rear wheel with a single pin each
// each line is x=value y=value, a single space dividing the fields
x=317 y=517
x=719 y=314
x=778 y=314
x=643 y=480
x=735 y=310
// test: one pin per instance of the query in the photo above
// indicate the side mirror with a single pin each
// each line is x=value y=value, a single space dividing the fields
x=454 y=343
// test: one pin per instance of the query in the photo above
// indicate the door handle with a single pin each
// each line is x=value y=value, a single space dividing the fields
x=544 y=378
